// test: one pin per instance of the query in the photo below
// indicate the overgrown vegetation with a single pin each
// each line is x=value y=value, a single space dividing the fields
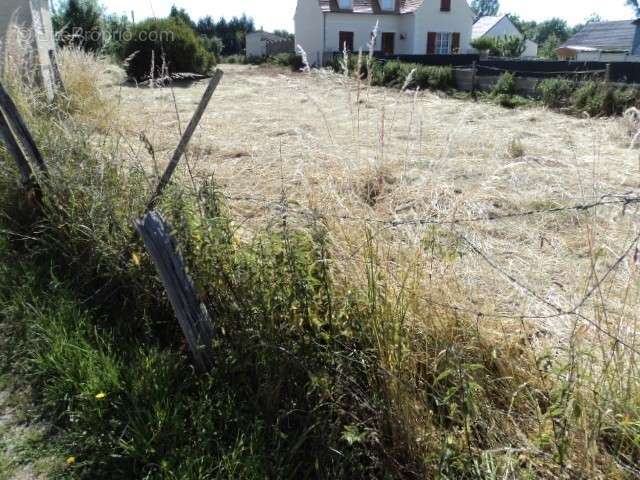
x=396 y=74
x=319 y=373
x=170 y=44
x=506 y=46
x=592 y=97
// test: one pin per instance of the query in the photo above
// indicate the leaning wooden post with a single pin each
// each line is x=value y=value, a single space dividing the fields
x=21 y=132
x=192 y=315
x=57 y=78
x=6 y=135
x=186 y=138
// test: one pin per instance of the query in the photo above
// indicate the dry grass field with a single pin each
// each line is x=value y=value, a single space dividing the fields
x=405 y=284
x=445 y=170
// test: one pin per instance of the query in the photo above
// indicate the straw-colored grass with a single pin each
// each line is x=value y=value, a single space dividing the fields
x=405 y=156
x=451 y=312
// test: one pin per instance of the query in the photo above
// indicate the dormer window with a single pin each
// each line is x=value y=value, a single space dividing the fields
x=345 y=4
x=388 y=5
x=445 y=5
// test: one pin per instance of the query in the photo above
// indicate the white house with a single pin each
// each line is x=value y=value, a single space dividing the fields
x=502 y=26
x=406 y=27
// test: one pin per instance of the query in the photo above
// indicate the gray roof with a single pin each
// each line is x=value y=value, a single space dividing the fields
x=484 y=24
x=372 y=6
x=605 y=35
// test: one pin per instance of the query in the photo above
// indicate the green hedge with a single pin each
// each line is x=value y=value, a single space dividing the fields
x=593 y=98
x=184 y=51
x=394 y=73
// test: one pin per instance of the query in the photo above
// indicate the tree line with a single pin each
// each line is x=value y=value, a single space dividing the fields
x=85 y=23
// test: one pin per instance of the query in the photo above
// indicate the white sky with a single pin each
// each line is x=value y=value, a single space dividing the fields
x=273 y=14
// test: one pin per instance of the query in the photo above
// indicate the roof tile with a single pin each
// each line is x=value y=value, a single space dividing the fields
x=605 y=35
x=372 y=6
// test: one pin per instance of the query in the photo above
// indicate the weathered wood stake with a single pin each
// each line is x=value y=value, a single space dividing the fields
x=6 y=136
x=186 y=138
x=21 y=132
x=192 y=315
x=474 y=75
x=57 y=78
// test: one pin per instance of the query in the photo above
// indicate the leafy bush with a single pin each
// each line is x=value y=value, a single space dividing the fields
x=291 y=60
x=507 y=46
x=234 y=59
x=556 y=92
x=484 y=44
x=437 y=78
x=183 y=50
x=506 y=85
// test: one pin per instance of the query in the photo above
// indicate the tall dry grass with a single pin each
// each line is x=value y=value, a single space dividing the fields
x=348 y=348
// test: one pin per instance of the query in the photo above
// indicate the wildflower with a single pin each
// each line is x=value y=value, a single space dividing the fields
x=135 y=258
x=71 y=461
x=101 y=396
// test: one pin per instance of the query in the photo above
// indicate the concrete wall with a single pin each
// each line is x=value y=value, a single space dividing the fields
x=606 y=57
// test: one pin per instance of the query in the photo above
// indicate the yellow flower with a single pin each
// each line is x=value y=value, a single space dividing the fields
x=101 y=396
x=135 y=258
x=71 y=460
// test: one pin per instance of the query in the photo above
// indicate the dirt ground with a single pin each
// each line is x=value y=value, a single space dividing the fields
x=361 y=157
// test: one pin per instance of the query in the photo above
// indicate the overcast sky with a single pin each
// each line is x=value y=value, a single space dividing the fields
x=277 y=14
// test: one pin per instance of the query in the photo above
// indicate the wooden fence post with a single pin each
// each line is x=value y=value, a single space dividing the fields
x=6 y=135
x=474 y=74
x=607 y=75
x=186 y=138
x=20 y=131
x=57 y=78
x=192 y=315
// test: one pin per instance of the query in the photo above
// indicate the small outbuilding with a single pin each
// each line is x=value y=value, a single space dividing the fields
x=502 y=26
x=265 y=44
x=605 y=42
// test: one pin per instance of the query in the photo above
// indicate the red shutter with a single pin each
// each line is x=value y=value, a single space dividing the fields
x=455 y=43
x=445 y=5
x=431 y=43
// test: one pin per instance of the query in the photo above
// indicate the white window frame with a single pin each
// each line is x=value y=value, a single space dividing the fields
x=345 y=4
x=444 y=43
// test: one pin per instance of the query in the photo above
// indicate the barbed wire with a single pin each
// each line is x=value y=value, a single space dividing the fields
x=618 y=199
x=533 y=72
x=284 y=209
x=559 y=310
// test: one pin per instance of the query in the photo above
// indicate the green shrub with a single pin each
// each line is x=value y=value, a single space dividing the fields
x=506 y=85
x=556 y=92
x=507 y=46
x=291 y=60
x=235 y=59
x=436 y=78
x=183 y=50
x=391 y=73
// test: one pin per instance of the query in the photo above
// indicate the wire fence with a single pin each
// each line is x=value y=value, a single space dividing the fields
x=282 y=210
